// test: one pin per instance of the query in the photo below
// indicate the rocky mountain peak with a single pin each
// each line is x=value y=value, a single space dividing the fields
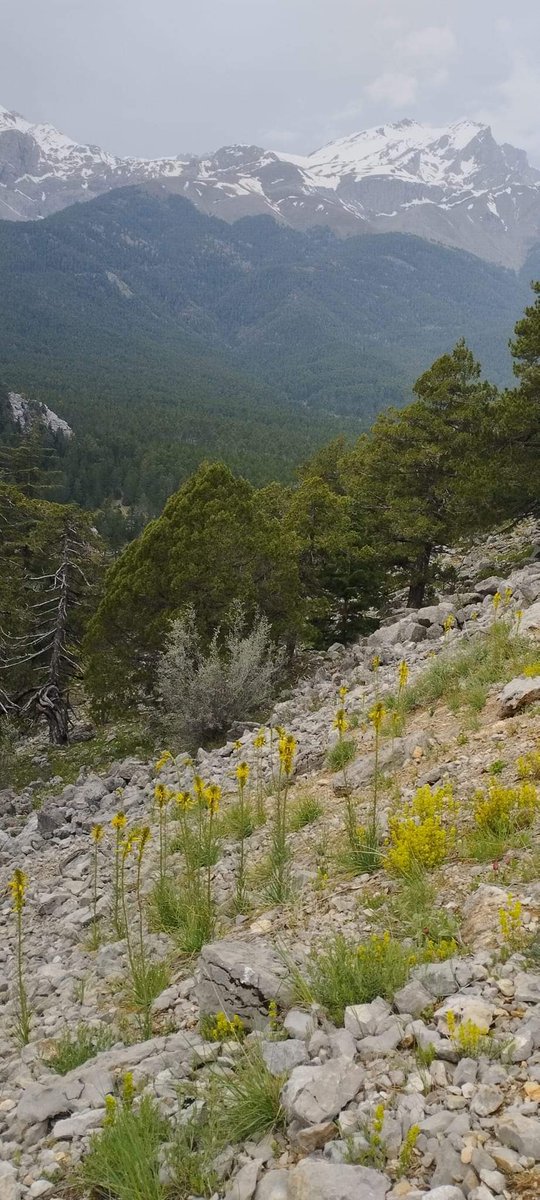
x=453 y=184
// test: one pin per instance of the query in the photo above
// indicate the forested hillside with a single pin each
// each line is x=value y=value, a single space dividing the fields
x=165 y=337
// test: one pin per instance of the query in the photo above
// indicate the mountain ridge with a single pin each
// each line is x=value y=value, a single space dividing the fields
x=450 y=184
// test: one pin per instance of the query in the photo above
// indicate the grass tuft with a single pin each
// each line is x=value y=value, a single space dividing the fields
x=74 y=1048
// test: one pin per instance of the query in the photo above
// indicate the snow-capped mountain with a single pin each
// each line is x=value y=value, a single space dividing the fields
x=454 y=185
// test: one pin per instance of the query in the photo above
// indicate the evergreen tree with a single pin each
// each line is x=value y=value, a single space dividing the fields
x=423 y=477
x=518 y=420
x=216 y=542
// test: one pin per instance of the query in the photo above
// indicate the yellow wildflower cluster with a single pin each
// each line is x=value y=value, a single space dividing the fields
x=532 y=670
x=184 y=800
x=403 y=675
x=448 y=623
x=502 y=810
x=422 y=833
x=469 y=1039
x=212 y=797
x=119 y=820
x=259 y=740
x=96 y=833
x=166 y=757
x=220 y=1029
x=511 y=923
x=17 y=887
x=528 y=766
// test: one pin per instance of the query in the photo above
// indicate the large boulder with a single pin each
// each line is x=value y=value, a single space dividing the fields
x=241 y=978
x=318 y=1093
x=530 y=621
x=518 y=694
x=313 y=1179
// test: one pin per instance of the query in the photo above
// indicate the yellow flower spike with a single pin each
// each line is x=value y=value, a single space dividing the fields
x=242 y=773
x=279 y=730
x=162 y=795
x=110 y=1110
x=199 y=788
x=119 y=820
x=343 y=691
x=143 y=839
x=166 y=757
x=403 y=674
x=375 y=662
x=286 y=748
x=496 y=601
x=260 y=739
x=508 y=593
x=212 y=797
x=237 y=745
x=97 y=833
x=340 y=721
x=377 y=715
x=17 y=886
x=184 y=800
x=449 y=623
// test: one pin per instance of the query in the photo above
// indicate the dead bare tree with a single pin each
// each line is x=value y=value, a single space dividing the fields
x=47 y=653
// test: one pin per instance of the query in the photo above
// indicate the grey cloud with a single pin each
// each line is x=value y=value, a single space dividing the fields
x=155 y=77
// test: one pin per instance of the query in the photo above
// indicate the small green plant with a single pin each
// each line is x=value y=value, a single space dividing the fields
x=374 y=1153
x=415 y=912
x=182 y=911
x=162 y=798
x=17 y=887
x=472 y=1040
x=528 y=766
x=376 y=717
x=422 y=833
x=306 y=810
x=407 y=1151
x=246 y=1104
x=74 y=1048
x=511 y=926
x=497 y=767
x=341 y=754
x=191 y=1157
x=218 y=1028
x=148 y=978
x=425 y=1055
x=341 y=973
x=124 y=1158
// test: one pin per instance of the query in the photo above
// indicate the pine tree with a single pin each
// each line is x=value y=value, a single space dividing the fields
x=423 y=477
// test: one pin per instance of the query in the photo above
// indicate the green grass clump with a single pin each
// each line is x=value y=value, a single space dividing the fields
x=246 y=1104
x=342 y=973
x=74 y=1048
x=124 y=1160
x=463 y=676
x=341 y=754
x=182 y=912
x=414 y=912
x=306 y=810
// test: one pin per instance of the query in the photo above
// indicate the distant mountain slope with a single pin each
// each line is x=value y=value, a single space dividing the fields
x=454 y=184
x=163 y=336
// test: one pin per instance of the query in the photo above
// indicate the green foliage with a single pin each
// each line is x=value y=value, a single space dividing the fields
x=213 y=542
x=305 y=811
x=343 y=973
x=414 y=912
x=75 y=1047
x=246 y=1104
x=184 y=913
x=123 y=1159
x=342 y=753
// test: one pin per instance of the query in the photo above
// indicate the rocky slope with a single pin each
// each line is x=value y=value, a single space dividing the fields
x=455 y=185
x=478 y=1116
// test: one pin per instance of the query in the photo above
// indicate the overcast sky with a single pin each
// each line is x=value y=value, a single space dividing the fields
x=156 y=77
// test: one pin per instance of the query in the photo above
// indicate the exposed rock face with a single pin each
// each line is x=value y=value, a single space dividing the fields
x=316 y=1180
x=242 y=978
x=518 y=694
x=456 y=185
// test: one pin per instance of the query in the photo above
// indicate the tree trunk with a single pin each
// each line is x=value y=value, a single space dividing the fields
x=54 y=706
x=419 y=578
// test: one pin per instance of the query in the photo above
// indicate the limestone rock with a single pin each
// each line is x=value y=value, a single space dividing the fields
x=530 y=621
x=316 y=1180
x=282 y=1057
x=521 y=1134
x=241 y=978
x=480 y=928
x=519 y=693
x=244 y=1184
x=318 y=1093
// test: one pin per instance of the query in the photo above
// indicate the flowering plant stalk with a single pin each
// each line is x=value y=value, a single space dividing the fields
x=17 y=887
x=242 y=776
x=97 y=837
x=258 y=742
x=118 y=823
x=279 y=883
